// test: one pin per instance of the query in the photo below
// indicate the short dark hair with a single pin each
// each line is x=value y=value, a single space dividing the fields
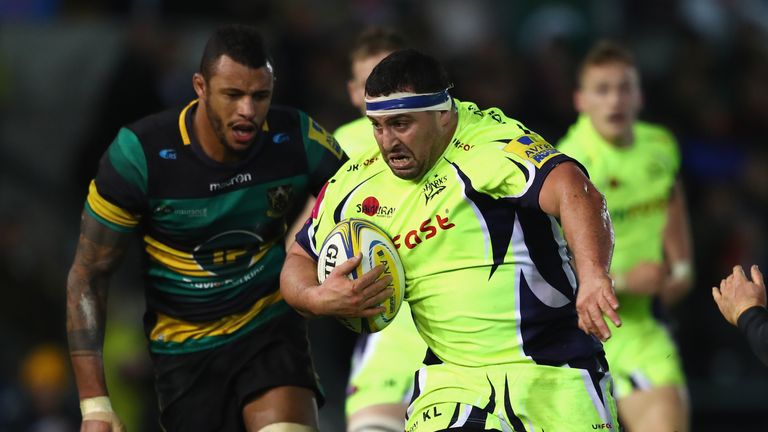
x=605 y=51
x=407 y=70
x=241 y=43
x=376 y=40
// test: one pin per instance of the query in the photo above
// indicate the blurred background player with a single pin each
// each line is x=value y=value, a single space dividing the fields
x=636 y=165
x=743 y=303
x=211 y=189
x=383 y=363
x=370 y=47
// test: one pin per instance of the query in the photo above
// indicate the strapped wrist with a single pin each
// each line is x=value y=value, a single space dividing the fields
x=681 y=270
x=95 y=404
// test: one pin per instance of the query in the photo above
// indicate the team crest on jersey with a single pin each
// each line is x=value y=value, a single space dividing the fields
x=278 y=198
x=434 y=186
x=532 y=147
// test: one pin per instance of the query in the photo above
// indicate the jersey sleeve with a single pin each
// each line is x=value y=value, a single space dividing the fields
x=117 y=196
x=754 y=324
x=320 y=222
x=517 y=170
x=324 y=155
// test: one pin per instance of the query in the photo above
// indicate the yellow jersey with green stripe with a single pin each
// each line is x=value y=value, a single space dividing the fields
x=487 y=271
x=212 y=233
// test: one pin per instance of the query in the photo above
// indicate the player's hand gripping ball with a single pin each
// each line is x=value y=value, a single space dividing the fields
x=358 y=236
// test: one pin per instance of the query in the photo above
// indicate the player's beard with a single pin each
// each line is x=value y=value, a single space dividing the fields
x=221 y=131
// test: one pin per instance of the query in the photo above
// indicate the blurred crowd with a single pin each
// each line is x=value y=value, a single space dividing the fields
x=72 y=72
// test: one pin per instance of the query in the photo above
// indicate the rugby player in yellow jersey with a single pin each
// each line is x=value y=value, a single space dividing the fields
x=383 y=363
x=474 y=202
x=636 y=165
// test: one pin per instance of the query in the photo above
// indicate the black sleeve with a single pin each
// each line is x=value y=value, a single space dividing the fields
x=754 y=324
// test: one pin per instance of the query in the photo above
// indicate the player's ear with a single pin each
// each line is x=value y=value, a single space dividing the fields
x=199 y=84
x=444 y=117
x=578 y=100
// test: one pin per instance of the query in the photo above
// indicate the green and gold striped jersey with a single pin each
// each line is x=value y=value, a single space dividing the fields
x=487 y=271
x=212 y=233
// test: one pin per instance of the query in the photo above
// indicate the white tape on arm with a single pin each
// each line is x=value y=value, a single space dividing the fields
x=100 y=409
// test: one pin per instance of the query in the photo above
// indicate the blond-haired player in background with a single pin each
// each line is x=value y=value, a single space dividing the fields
x=636 y=165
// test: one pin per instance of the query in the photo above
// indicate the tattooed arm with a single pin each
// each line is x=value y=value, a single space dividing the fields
x=98 y=252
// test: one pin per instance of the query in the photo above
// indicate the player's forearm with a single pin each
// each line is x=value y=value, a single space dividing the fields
x=298 y=277
x=678 y=249
x=86 y=307
x=99 y=251
x=588 y=230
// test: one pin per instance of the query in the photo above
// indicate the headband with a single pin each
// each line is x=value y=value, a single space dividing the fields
x=403 y=102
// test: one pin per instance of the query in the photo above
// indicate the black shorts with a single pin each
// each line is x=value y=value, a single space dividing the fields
x=206 y=390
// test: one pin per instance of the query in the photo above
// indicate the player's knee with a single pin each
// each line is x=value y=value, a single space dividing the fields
x=376 y=424
x=287 y=427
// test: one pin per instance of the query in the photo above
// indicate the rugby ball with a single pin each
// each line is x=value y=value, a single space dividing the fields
x=349 y=238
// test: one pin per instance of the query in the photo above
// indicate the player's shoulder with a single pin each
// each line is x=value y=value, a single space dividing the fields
x=489 y=135
x=356 y=137
x=159 y=129
x=655 y=135
x=354 y=127
x=285 y=117
x=486 y=131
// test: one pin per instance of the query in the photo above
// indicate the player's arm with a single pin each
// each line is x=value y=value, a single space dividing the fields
x=677 y=248
x=98 y=252
x=568 y=194
x=337 y=295
x=743 y=303
x=295 y=226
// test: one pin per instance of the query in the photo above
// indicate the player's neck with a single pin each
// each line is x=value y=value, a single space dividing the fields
x=206 y=136
x=625 y=140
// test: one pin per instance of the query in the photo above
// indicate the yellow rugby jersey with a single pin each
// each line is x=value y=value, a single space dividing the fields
x=487 y=272
x=356 y=137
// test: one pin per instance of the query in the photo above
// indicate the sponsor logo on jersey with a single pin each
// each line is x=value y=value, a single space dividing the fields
x=279 y=198
x=366 y=163
x=462 y=146
x=193 y=212
x=280 y=138
x=230 y=252
x=426 y=230
x=372 y=207
x=235 y=180
x=169 y=154
x=434 y=186
x=602 y=426
x=532 y=147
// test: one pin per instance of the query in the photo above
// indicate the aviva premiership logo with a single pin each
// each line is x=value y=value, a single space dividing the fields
x=532 y=147
x=279 y=199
